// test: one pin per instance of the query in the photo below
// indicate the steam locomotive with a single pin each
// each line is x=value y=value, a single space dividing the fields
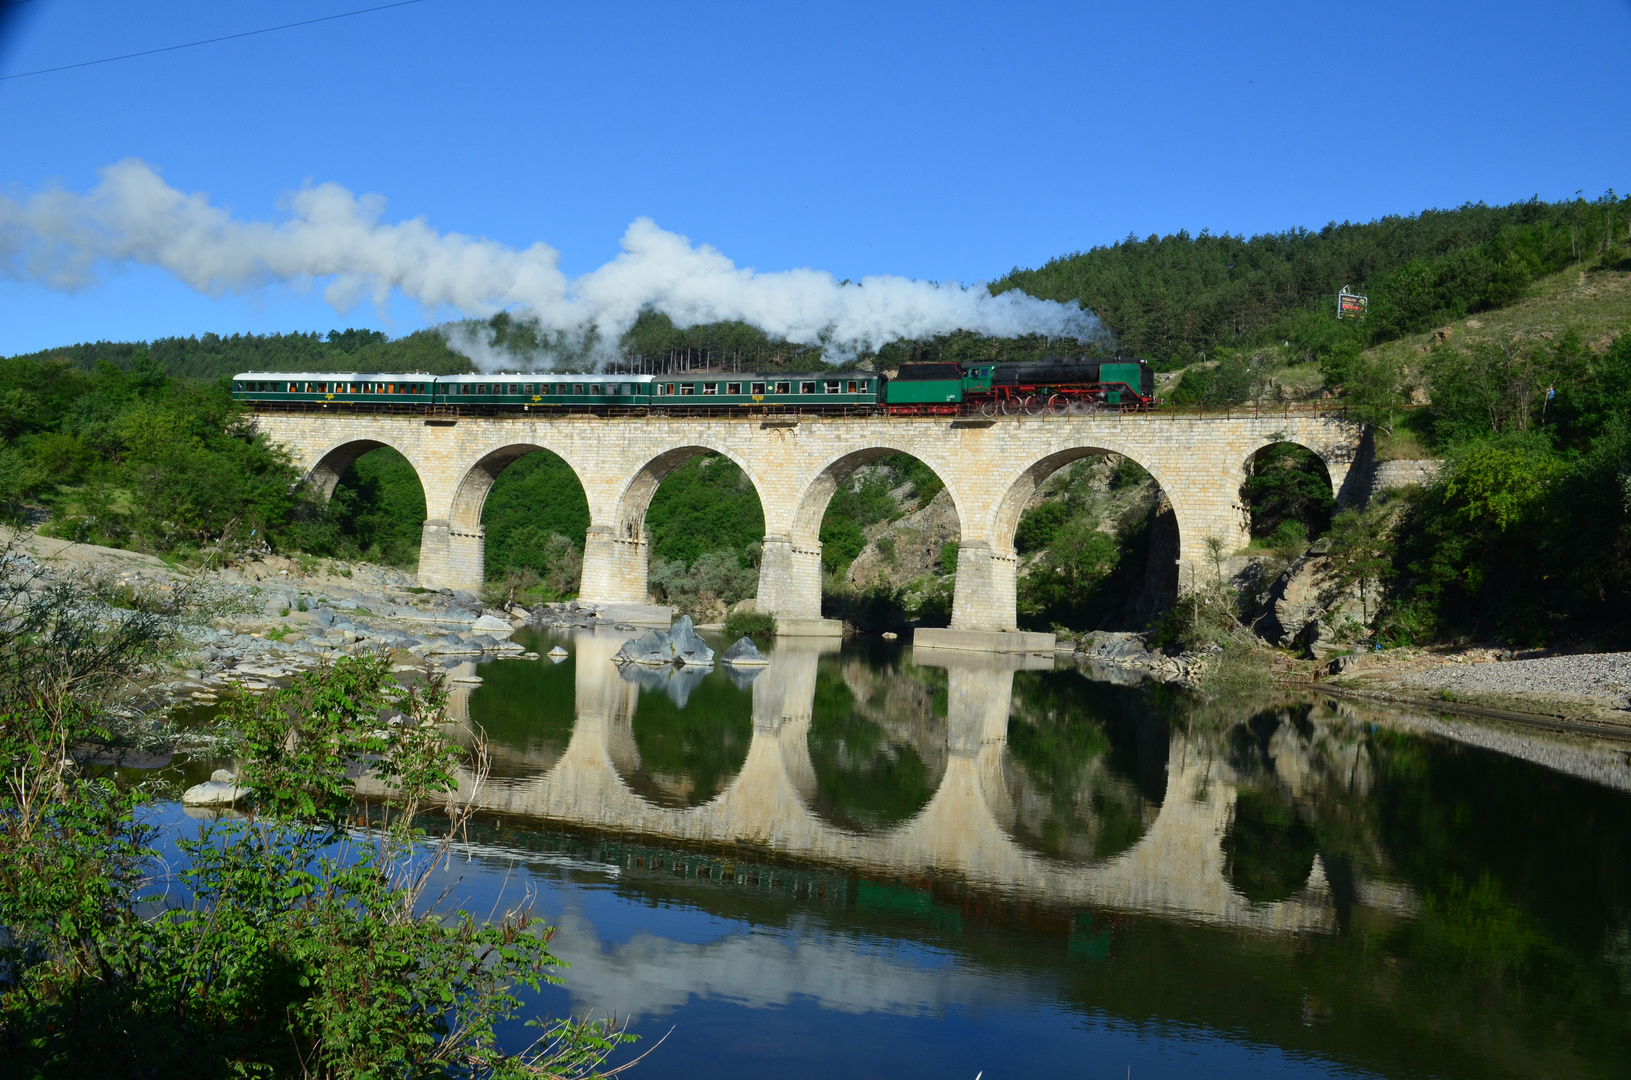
x=983 y=388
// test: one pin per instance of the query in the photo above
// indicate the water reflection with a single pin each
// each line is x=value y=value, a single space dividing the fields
x=1028 y=782
x=884 y=832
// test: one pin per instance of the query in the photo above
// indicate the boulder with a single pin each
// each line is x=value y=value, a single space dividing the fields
x=685 y=647
x=744 y=654
x=495 y=625
x=221 y=789
x=649 y=648
x=557 y=653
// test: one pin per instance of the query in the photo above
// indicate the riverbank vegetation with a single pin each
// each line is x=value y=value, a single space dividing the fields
x=286 y=941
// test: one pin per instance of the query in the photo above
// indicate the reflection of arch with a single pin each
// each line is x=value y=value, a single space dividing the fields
x=338 y=460
x=685 y=750
x=875 y=761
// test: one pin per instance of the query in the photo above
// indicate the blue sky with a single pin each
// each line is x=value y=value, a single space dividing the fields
x=940 y=141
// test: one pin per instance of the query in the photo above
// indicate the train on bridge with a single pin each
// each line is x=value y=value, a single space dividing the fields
x=984 y=388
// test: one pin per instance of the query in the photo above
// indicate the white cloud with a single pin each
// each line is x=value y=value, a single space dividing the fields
x=63 y=240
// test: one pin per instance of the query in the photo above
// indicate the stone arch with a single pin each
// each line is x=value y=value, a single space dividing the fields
x=1163 y=581
x=634 y=497
x=813 y=501
x=1280 y=438
x=477 y=483
x=616 y=554
x=1020 y=489
x=334 y=462
x=453 y=552
x=790 y=585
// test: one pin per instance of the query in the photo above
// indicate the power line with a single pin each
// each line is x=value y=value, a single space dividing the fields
x=210 y=41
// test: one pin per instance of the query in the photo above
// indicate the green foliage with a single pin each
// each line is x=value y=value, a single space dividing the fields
x=213 y=357
x=535 y=512
x=377 y=512
x=1179 y=298
x=705 y=504
x=1233 y=379
x=1288 y=483
x=276 y=945
x=759 y=624
x=716 y=579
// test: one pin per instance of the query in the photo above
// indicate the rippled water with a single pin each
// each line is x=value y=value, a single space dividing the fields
x=871 y=862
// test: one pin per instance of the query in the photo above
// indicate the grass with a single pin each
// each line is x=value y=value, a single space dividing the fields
x=1596 y=304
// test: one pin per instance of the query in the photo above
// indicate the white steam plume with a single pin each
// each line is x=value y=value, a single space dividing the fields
x=61 y=239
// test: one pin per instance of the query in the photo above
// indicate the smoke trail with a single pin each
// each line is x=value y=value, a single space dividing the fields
x=62 y=240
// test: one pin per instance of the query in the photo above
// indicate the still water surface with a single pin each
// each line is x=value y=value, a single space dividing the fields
x=869 y=862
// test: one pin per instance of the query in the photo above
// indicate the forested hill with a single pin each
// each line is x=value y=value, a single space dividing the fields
x=213 y=356
x=1170 y=299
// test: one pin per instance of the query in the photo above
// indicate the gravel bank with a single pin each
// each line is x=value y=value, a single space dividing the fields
x=1590 y=686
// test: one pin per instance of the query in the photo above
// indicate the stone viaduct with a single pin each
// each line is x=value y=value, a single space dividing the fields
x=991 y=468
x=966 y=829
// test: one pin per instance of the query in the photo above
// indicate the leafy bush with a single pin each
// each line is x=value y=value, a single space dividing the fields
x=746 y=623
x=288 y=943
x=716 y=580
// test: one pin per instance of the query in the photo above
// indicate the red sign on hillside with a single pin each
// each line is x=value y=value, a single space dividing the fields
x=1351 y=305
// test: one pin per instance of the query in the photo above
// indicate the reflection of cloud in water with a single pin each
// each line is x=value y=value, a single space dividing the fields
x=649 y=975
x=676 y=682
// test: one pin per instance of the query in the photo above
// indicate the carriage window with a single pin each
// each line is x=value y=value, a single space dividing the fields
x=687 y=389
x=710 y=388
x=464 y=388
x=733 y=388
x=514 y=388
x=527 y=388
x=833 y=387
x=628 y=390
x=852 y=386
x=806 y=387
x=758 y=388
x=577 y=388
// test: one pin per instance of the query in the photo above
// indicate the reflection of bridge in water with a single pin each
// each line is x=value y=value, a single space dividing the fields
x=966 y=829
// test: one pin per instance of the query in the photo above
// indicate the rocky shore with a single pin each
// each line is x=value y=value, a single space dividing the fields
x=1590 y=688
x=273 y=617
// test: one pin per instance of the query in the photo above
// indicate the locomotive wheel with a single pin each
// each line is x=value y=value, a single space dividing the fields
x=1034 y=405
x=988 y=408
x=1008 y=407
x=1058 y=404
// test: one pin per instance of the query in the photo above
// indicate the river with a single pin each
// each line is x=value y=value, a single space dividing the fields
x=869 y=862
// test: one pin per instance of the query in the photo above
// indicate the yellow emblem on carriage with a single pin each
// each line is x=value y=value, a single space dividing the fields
x=758 y=397
x=329 y=396
x=536 y=397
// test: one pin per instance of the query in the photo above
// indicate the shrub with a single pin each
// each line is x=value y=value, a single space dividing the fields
x=746 y=623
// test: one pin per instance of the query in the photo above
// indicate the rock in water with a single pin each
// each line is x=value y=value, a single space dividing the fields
x=557 y=653
x=221 y=789
x=744 y=654
x=685 y=647
x=649 y=648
